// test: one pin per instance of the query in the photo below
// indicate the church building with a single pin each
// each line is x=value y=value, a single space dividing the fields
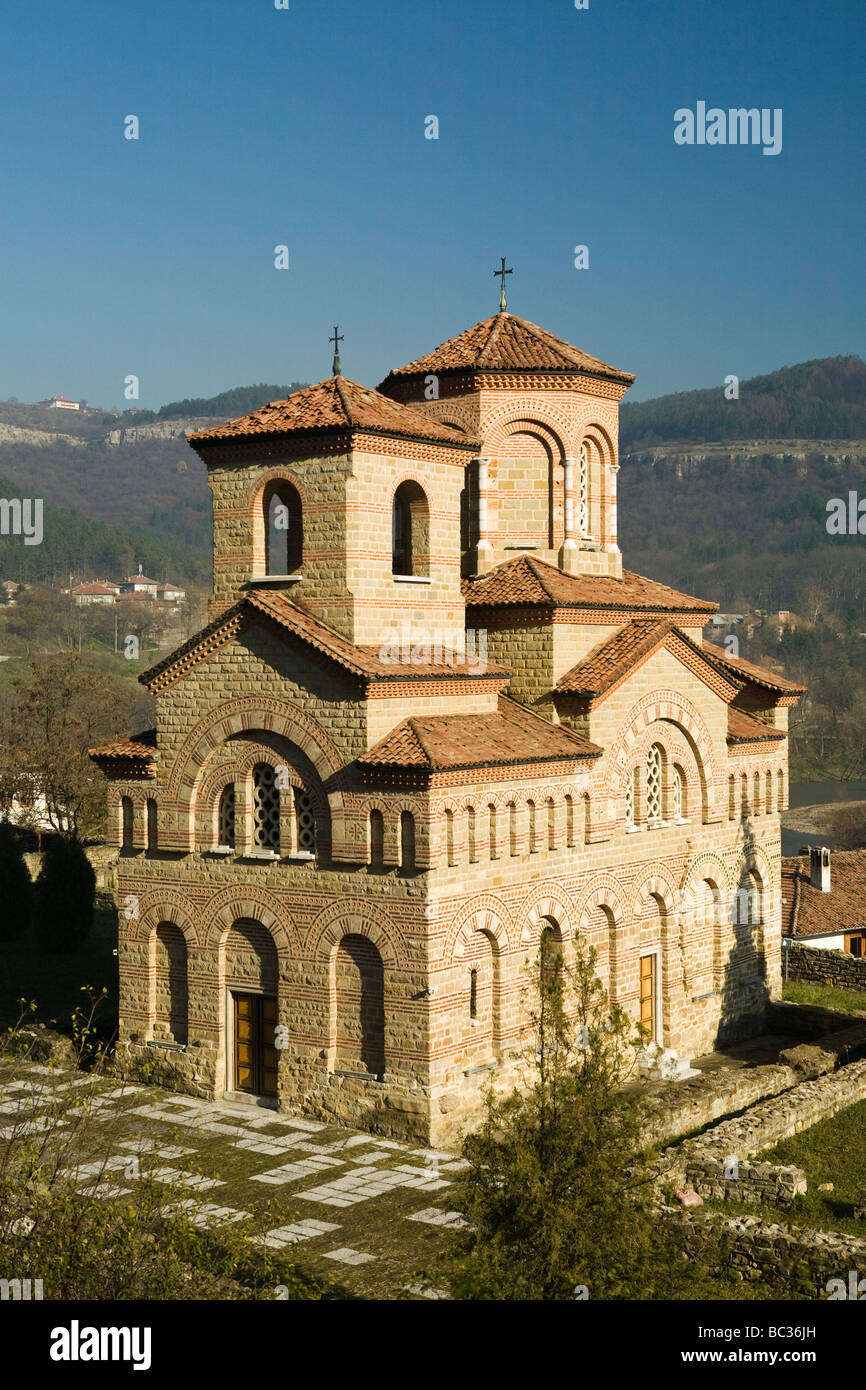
x=431 y=718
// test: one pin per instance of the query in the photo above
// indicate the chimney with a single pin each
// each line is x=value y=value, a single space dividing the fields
x=819 y=868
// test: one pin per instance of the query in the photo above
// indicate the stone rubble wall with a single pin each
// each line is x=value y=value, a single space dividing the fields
x=682 y=1107
x=836 y=968
x=803 y=1259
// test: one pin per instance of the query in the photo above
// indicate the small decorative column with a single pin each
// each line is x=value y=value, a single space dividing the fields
x=483 y=548
x=569 y=549
x=609 y=540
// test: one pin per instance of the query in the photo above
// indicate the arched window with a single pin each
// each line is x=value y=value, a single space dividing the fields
x=410 y=530
x=266 y=808
x=732 y=798
x=407 y=842
x=549 y=949
x=493 y=831
x=780 y=790
x=587 y=818
x=152 y=826
x=512 y=828
x=654 y=764
x=768 y=798
x=748 y=903
x=171 y=992
x=745 y=808
x=449 y=836
x=473 y=993
x=569 y=821
x=533 y=843
x=470 y=834
x=126 y=813
x=551 y=824
x=377 y=840
x=227 y=816
x=756 y=798
x=679 y=794
x=284 y=534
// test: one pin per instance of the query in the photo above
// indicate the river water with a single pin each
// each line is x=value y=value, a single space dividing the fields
x=817 y=794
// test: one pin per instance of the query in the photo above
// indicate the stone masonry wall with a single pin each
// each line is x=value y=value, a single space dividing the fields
x=816 y=966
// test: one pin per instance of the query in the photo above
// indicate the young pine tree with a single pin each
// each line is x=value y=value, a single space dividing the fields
x=16 y=887
x=557 y=1199
x=64 y=896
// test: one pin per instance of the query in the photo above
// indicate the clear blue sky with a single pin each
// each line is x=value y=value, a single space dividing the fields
x=306 y=127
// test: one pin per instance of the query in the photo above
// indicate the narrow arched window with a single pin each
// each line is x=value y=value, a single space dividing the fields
x=227 y=816
x=569 y=821
x=630 y=801
x=410 y=527
x=126 y=821
x=732 y=798
x=654 y=766
x=470 y=834
x=407 y=842
x=768 y=799
x=449 y=836
x=756 y=794
x=377 y=840
x=473 y=993
x=551 y=824
x=284 y=535
x=493 y=831
x=152 y=828
x=512 y=828
x=533 y=844
x=679 y=794
x=266 y=808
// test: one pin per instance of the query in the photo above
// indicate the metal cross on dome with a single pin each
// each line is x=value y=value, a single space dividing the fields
x=503 y=303
x=336 y=338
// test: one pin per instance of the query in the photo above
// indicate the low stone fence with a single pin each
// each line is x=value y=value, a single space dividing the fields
x=697 y=1162
x=804 y=1260
x=682 y=1107
x=820 y=967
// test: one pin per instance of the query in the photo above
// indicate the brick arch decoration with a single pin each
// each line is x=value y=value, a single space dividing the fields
x=247 y=714
x=548 y=421
x=408 y=475
x=251 y=903
x=482 y=913
x=706 y=865
x=660 y=707
x=157 y=906
x=545 y=900
x=594 y=432
x=551 y=439
x=256 y=490
x=603 y=890
x=750 y=852
x=657 y=881
x=356 y=917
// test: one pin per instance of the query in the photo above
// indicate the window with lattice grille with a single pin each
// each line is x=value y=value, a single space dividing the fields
x=266 y=808
x=654 y=785
x=679 y=795
x=227 y=816
x=583 y=490
x=629 y=803
x=305 y=822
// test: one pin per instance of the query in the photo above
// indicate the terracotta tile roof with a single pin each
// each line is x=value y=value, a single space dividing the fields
x=95 y=588
x=364 y=663
x=335 y=404
x=140 y=579
x=507 y=343
x=528 y=581
x=447 y=741
x=615 y=657
x=744 y=728
x=139 y=748
x=806 y=911
x=757 y=675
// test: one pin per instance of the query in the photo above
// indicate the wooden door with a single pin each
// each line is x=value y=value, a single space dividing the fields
x=648 y=995
x=855 y=944
x=256 y=1057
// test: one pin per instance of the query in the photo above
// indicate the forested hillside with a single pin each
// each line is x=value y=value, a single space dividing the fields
x=824 y=399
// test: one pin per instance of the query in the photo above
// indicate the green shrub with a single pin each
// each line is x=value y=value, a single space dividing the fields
x=15 y=885
x=64 y=897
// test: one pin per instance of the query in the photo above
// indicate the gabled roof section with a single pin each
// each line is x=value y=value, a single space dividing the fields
x=744 y=728
x=527 y=581
x=609 y=664
x=513 y=735
x=128 y=757
x=335 y=404
x=364 y=664
x=754 y=675
x=806 y=911
x=506 y=343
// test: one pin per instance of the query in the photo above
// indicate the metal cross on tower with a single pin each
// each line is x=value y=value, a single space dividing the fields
x=503 y=305
x=336 y=338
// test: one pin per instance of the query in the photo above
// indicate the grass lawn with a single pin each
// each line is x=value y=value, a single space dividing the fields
x=849 y=1001
x=833 y=1150
x=53 y=981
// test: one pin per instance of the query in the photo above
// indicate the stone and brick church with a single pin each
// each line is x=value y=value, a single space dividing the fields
x=344 y=839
